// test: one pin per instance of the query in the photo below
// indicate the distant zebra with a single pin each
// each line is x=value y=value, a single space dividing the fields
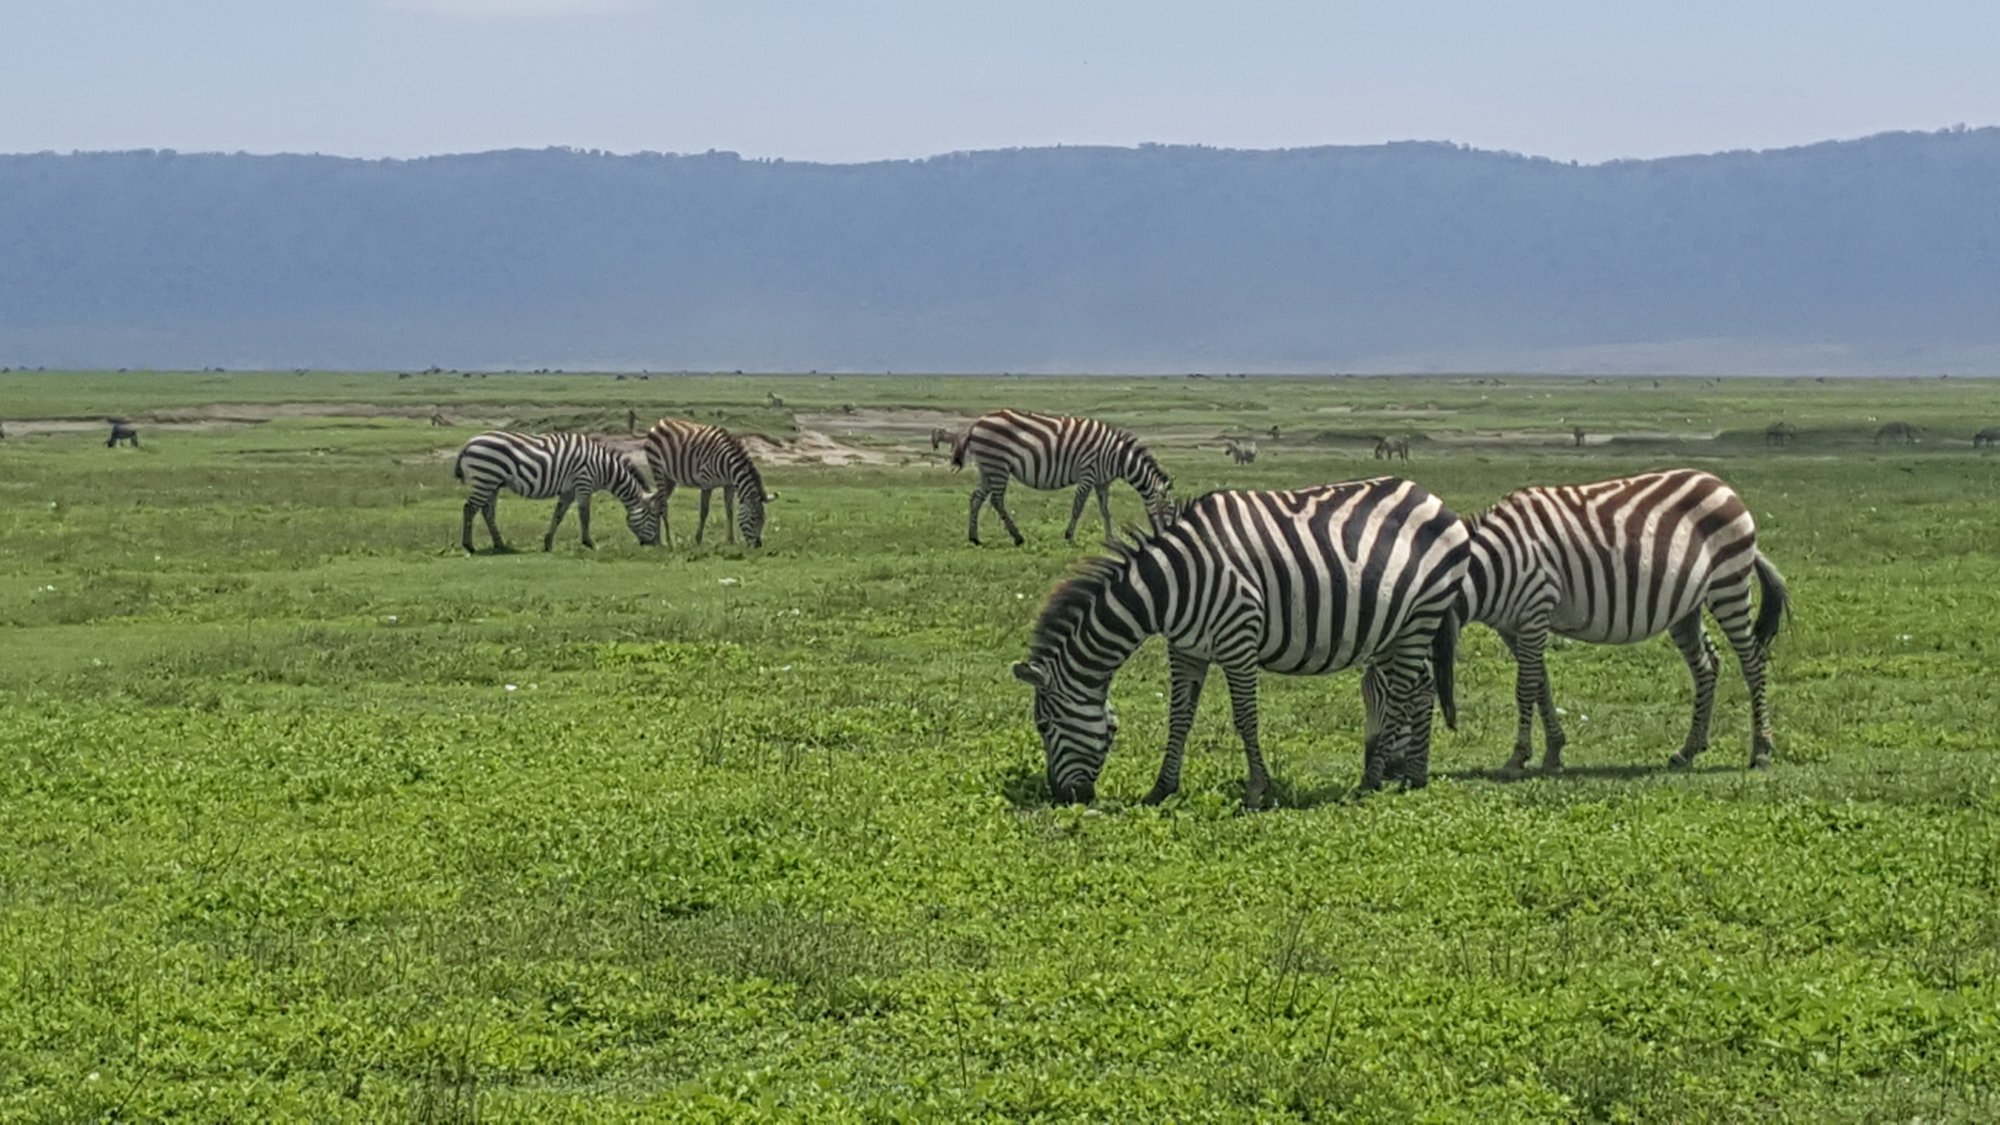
x=1618 y=562
x=1895 y=430
x=1576 y=433
x=1048 y=451
x=1302 y=583
x=1780 y=433
x=681 y=452
x=124 y=431
x=1388 y=448
x=565 y=467
x=1241 y=452
x=771 y=400
x=439 y=420
x=1984 y=439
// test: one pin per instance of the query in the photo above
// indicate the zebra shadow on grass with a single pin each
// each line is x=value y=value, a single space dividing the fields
x=1628 y=771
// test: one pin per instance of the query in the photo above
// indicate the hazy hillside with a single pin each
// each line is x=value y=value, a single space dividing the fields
x=1878 y=254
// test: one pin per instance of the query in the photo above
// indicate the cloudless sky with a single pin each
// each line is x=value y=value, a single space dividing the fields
x=846 y=80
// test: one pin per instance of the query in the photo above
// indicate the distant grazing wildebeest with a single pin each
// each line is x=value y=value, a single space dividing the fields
x=1241 y=452
x=1577 y=433
x=1895 y=430
x=1388 y=448
x=122 y=430
x=439 y=419
x=1273 y=431
x=1984 y=439
x=631 y=420
x=772 y=401
x=1780 y=433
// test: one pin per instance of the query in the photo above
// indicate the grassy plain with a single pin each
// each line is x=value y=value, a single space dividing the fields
x=306 y=815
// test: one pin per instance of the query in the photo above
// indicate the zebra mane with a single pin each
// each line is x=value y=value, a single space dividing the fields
x=1073 y=600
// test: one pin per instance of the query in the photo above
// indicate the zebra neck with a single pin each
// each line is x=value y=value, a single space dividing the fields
x=1127 y=608
x=624 y=484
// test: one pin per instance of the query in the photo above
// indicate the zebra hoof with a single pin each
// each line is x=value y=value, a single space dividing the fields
x=1680 y=762
x=1552 y=769
x=1760 y=764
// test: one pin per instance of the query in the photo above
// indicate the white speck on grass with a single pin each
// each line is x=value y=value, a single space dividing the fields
x=392 y=619
x=786 y=668
x=1903 y=636
x=513 y=687
x=727 y=581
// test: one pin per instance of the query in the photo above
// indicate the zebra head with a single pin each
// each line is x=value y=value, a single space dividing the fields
x=1077 y=724
x=1155 y=487
x=644 y=518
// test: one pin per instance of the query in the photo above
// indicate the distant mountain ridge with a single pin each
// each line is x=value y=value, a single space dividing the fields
x=1872 y=255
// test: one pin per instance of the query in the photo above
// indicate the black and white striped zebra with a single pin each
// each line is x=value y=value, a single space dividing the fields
x=681 y=452
x=565 y=467
x=1617 y=562
x=1302 y=583
x=1049 y=451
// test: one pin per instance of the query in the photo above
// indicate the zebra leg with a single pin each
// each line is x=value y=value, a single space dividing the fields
x=1531 y=690
x=493 y=526
x=1375 y=707
x=998 y=498
x=1412 y=706
x=1732 y=612
x=729 y=510
x=1188 y=673
x=701 y=524
x=562 y=509
x=1243 y=705
x=472 y=505
x=583 y=517
x=1699 y=652
x=972 y=517
x=666 y=491
x=1076 y=513
x=1104 y=510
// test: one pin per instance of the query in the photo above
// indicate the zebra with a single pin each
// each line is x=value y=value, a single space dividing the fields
x=1388 y=448
x=1049 y=451
x=1895 y=430
x=1780 y=433
x=1618 y=562
x=1303 y=582
x=567 y=467
x=1241 y=452
x=439 y=420
x=944 y=435
x=771 y=399
x=1986 y=438
x=121 y=430
x=681 y=452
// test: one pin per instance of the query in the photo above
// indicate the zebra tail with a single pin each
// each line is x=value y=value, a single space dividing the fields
x=1777 y=602
x=958 y=445
x=1444 y=655
x=458 y=466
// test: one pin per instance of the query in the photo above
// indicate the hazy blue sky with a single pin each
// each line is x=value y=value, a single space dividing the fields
x=861 y=79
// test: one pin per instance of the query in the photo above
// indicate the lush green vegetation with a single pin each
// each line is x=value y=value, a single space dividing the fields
x=306 y=814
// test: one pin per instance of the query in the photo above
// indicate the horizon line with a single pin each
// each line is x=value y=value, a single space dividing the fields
x=1956 y=129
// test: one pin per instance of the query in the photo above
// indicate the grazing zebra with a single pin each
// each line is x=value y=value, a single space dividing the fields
x=1618 y=562
x=1241 y=452
x=681 y=452
x=1897 y=430
x=1984 y=439
x=1302 y=583
x=1048 y=451
x=1780 y=433
x=122 y=430
x=567 y=467
x=1388 y=448
x=771 y=399
x=439 y=420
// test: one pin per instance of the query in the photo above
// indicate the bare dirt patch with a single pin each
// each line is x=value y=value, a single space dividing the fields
x=811 y=447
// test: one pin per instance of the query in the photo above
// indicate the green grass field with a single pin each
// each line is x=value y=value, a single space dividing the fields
x=306 y=815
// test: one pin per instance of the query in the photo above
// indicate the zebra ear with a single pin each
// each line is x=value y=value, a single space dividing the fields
x=1032 y=674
